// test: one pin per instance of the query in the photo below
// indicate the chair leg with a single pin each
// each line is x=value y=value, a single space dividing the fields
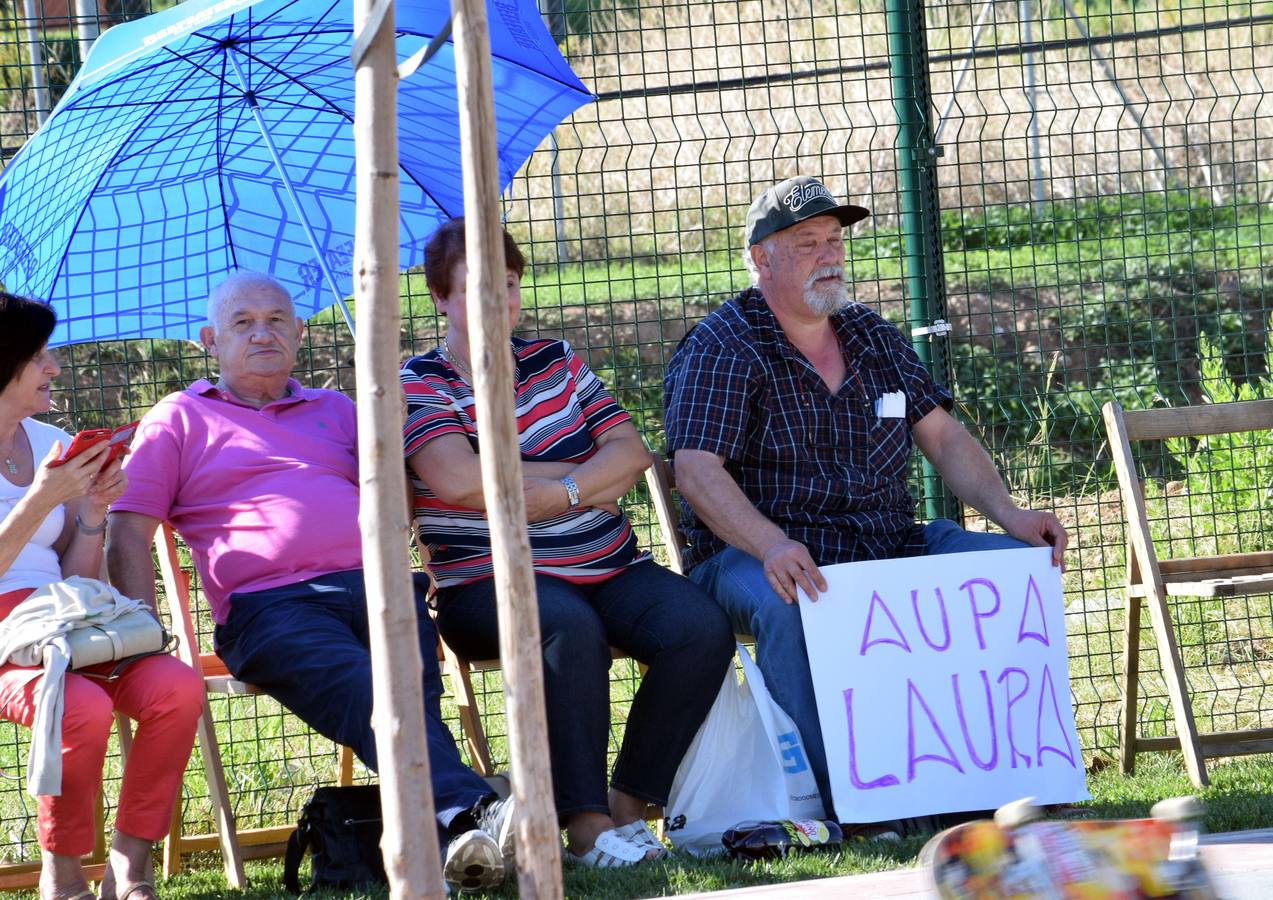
x=345 y=766
x=219 y=794
x=173 y=843
x=470 y=717
x=101 y=847
x=1173 y=671
x=1131 y=684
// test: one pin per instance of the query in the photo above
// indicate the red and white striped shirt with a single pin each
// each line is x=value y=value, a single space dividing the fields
x=561 y=409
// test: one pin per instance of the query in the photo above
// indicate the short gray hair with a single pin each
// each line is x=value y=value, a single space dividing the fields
x=750 y=264
x=236 y=281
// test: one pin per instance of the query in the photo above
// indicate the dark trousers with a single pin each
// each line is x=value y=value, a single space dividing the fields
x=648 y=612
x=306 y=645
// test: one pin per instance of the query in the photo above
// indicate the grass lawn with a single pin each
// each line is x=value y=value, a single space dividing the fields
x=1241 y=796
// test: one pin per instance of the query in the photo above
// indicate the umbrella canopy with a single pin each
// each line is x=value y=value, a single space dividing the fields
x=218 y=135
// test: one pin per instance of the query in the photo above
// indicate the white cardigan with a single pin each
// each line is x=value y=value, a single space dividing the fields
x=34 y=634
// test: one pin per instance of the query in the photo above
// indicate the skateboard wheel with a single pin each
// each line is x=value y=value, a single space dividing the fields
x=1177 y=809
x=1018 y=813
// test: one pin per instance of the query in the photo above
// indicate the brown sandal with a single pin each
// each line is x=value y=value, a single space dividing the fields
x=138 y=890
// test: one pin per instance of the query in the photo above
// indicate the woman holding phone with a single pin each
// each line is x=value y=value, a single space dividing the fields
x=52 y=527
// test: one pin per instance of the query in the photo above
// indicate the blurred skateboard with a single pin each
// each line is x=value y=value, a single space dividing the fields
x=1022 y=854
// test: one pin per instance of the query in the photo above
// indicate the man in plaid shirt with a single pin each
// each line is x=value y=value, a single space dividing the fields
x=790 y=414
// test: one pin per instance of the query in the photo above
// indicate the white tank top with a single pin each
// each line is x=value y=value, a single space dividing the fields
x=37 y=564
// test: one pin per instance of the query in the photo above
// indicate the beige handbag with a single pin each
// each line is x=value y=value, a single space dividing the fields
x=124 y=639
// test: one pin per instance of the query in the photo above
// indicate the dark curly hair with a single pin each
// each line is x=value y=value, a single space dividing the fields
x=445 y=251
x=26 y=325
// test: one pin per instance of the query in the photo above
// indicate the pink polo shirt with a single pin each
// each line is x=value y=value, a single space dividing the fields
x=263 y=497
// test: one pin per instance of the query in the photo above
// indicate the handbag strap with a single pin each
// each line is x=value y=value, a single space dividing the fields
x=297 y=844
x=117 y=643
x=121 y=664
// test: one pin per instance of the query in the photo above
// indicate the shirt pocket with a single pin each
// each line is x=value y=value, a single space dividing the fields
x=889 y=449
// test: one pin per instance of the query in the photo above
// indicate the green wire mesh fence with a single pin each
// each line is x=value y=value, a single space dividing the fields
x=1102 y=229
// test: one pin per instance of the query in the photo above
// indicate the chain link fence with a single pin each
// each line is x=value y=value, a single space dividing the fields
x=1102 y=229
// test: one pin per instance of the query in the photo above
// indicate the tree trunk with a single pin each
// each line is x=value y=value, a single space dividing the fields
x=539 y=841
x=410 y=838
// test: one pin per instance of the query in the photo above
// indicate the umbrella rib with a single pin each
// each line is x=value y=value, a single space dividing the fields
x=137 y=104
x=220 y=151
x=316 y=26
x=167 y=136
x=528 y=120
x=340 y=112
x=318 y=20
x=130 y=74
x=268 y=17
x=216 y=46
x=539 y=73
x=61 y=264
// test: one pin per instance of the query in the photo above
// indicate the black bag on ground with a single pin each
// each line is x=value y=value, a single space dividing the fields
x=340 y=827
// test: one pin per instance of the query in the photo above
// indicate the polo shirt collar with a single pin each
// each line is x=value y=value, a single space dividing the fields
x=297 y=394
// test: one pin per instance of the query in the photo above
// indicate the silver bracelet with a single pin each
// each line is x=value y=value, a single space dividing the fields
x=84 y=529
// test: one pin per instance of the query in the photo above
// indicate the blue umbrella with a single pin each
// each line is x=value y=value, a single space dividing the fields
x=218 y=135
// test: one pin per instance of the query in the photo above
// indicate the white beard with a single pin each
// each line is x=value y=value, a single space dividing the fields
x=826 y=299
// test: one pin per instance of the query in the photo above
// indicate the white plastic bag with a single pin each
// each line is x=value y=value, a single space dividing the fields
x=746 y=762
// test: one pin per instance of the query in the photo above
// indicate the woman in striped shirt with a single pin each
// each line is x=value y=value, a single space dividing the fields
x=580 y=454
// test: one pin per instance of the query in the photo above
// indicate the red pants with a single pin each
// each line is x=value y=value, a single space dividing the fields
x=161 y=694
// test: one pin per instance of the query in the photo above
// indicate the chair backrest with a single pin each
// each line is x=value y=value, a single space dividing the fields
x=1123 y=427
x=177 y=591
x=1196 y=421
x=659 y=479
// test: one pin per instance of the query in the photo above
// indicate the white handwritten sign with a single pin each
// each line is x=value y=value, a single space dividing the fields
x=943 y=684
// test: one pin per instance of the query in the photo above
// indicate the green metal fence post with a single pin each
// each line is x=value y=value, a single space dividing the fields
x=918 y=208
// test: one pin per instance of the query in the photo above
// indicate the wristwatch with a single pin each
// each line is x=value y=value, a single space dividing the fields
x=572 y=491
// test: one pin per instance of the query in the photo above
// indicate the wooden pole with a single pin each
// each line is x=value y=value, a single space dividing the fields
x=410 y=838
x=539 y=839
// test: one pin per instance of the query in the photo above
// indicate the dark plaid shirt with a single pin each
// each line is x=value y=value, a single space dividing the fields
x=822 y=466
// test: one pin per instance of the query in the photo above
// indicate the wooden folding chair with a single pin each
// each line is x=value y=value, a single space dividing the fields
x=270 y=841
x=1152 y=580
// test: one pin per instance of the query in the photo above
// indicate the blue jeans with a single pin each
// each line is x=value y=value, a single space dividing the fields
x=306 y=645
x=655 y=616
x=736 y=580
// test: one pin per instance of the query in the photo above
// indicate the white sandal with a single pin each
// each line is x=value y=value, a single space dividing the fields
x=610 y=851
x=639 y=833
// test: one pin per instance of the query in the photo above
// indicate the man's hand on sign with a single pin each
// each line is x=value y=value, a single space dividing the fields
x=1038 y=529
x=788 y=564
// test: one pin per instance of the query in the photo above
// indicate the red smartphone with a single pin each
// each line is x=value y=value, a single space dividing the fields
x=118 y=438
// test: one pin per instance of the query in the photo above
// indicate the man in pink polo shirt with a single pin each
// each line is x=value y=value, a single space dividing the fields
x=259 y=475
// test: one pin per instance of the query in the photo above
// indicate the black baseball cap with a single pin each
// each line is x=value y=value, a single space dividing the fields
x=791 y=202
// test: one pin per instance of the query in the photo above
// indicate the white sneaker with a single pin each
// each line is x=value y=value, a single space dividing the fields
x=496 y=819
x=473 y=863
